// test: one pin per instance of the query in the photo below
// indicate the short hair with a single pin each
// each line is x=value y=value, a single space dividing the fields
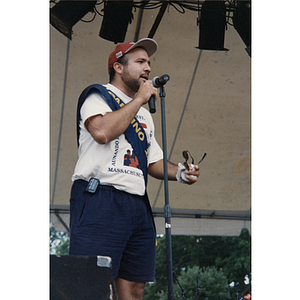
x=123 y=60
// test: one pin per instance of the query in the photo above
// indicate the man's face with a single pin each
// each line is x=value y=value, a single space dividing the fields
x=137 y=69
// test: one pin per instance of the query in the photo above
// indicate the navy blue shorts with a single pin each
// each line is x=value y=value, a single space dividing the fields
x=115 y=224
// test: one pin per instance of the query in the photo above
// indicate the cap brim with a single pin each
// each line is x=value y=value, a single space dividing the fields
x=148 y=44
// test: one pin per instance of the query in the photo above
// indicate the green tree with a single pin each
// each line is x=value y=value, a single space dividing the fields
x=231 y=254
x=59 y=241
x=212 y=283
x=236 y=260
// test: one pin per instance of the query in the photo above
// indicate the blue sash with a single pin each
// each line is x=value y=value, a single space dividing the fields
x=135 y=133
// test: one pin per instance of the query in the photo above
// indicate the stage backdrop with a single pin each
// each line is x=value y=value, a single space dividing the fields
x=208 y=109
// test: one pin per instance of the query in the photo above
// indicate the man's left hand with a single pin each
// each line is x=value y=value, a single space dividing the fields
x=188 y=176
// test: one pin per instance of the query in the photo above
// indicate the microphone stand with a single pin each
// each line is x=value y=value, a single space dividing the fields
x=198 y=290
x=167 y=207
x=183 y=293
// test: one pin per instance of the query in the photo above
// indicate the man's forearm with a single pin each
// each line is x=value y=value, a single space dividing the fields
x=156 y=170
x=110 y=126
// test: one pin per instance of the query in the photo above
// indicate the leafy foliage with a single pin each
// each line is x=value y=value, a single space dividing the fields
x=213 y=284
x=229 y=255
x=59 y=241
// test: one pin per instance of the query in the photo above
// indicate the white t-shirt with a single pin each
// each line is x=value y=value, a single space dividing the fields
x=114 y=163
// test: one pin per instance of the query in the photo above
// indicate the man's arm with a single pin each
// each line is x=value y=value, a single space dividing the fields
x=156 y=170
x=110 y=126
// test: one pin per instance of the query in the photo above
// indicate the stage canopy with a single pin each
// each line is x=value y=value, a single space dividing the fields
x=208 y=109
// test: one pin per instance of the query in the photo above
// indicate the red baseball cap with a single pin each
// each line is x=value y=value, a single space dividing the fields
x=149 y=45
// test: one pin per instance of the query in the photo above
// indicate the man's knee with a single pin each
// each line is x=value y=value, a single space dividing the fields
x=137 y=290
x=129 y=290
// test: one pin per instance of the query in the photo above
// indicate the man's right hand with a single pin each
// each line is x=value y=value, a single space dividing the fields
x=145 y=91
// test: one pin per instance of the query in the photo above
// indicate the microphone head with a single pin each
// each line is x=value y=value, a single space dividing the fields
x=154 y=82
x=159 y=81
x=164 y=79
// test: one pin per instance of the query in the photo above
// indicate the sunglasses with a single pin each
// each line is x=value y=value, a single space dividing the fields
x=185 y=155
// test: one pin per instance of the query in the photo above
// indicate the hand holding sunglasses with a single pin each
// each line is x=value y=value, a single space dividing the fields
x=182 y=168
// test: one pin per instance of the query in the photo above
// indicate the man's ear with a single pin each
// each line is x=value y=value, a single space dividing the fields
x=118 y=68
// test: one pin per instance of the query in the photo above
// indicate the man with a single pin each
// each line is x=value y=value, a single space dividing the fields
x=109 y=209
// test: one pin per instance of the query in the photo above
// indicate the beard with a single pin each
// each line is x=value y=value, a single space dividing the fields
x=133 y=84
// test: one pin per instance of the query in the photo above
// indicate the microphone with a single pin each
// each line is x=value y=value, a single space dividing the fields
x=158 y=81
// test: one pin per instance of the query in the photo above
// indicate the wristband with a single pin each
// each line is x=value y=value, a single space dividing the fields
x=181 y=176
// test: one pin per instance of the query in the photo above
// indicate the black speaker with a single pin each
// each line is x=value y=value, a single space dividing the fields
x=66 y=13
x=117 y=16
x=242 y=21
x=212 y=25
x=76 y=277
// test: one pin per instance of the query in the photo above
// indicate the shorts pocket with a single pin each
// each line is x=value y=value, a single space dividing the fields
x=92 y=210
x=78 y=201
